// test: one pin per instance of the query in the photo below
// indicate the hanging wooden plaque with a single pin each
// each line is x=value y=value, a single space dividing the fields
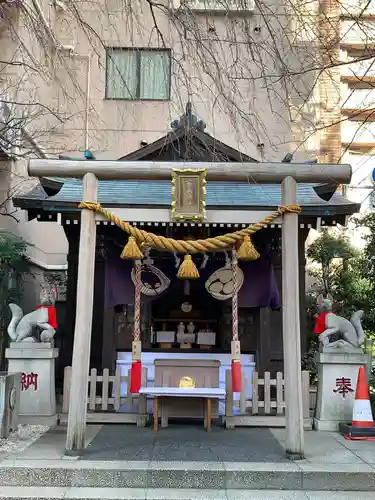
x=189 y=195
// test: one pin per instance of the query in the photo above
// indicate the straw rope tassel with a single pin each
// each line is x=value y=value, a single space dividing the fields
x=136 y=369
x=131 y=250
x=188 y=270
x=235 y=344
x=247 y=250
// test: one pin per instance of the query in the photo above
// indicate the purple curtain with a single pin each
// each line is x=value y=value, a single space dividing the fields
x=258 y=290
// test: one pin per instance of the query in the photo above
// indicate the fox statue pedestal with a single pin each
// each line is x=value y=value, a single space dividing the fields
x=36 y=363
x=337 y=379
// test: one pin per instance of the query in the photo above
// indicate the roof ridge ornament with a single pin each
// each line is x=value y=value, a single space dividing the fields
x=188 y=120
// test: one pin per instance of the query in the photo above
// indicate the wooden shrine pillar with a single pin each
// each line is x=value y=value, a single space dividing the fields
x=75 y=439
x=294 y=440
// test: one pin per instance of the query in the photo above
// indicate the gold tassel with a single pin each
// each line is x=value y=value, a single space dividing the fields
x=247 y=251
x=188 y=270
x=132 y=250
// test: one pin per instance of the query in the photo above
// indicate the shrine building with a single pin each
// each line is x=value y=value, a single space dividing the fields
x=182 y=318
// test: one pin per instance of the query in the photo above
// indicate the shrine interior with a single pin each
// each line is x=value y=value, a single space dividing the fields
x=186 y=302
x=260 y=328
x=189 y=301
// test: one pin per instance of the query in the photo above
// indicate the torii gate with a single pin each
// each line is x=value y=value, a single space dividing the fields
x=286 y=174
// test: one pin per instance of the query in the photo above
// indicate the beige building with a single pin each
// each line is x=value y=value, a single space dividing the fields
x=110 y=76
x=358 y=99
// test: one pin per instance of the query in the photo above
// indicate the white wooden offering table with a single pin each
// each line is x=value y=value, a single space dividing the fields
x=124 y=360
x=206 y=394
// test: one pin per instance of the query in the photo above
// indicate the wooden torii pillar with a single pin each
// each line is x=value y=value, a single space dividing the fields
x=286 y=174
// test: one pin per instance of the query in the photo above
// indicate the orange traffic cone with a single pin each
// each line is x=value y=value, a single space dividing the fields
x=362 y=426
x=362 y=415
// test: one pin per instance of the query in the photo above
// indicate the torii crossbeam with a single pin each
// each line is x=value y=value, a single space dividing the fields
x=286 y=174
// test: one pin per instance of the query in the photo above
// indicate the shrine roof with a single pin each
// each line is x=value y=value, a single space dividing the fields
x=224 y=195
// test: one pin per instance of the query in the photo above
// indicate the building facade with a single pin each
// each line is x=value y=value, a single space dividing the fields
x=110 y=77
x=358 y=99
x=113 y=76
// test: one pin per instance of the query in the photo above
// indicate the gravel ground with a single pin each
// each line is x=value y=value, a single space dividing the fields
x=22 y=438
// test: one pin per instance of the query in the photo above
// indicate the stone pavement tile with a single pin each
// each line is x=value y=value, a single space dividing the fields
x=124 y=475
x=366 y=455
x=186 y=474
x=306 y=466
x=348 y=443
x=112 y=453
x=181 y=494
x=13 y=477
x=38 y=463
x=115 y=465
x=333 y=456
x=91 y=478
x=179 y=452
x=314 y=440
x=248 y=454
x=120 y=443
x=186 y=465
x=3 y=455
x=32 y=492
x=91 y=431
x=261 y=467
x=67 y=457
x=275 y=476
x=321 y=440
x=107 y=493
x=39 y=452
x=51 y=445
x=131 y=479
x=179 y=442
x=337 y=477
x=328 y=447
x=265 y=495
x=342 y=495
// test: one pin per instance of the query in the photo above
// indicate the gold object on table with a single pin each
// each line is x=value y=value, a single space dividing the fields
x=186 y=383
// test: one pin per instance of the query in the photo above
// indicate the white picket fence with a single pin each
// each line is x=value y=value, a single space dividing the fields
x=104 y=398
x=267 y=406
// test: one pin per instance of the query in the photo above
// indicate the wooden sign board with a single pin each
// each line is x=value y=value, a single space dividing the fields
x=189 y=195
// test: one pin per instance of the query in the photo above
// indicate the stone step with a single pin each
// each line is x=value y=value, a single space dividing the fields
x=54 y=493
x=186 y=475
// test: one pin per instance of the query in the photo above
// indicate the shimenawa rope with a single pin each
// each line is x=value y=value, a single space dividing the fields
x=220 y=242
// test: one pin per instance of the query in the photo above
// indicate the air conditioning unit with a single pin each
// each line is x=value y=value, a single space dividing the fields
x=10 y=390
x=214 y=6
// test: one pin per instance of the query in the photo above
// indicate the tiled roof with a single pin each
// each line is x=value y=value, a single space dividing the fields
x=158 y=193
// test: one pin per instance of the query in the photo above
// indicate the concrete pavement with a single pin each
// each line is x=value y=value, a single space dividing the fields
x=13 y=493
x=234 y=464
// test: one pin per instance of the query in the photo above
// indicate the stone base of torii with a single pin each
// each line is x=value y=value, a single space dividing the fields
x=286 y=174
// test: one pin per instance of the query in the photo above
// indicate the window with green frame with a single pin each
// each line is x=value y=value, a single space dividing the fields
x=138 y=74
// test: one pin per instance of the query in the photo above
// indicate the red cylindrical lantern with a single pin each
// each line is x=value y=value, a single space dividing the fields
x=236 y=376
x=135 y=377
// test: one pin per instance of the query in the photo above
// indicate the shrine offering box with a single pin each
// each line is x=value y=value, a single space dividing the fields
x=206 y=338
x=165 y=339
x=186 y=338
x=204 y=372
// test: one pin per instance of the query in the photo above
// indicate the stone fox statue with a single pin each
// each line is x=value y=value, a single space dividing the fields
x=328 y=323
x=21 y=327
